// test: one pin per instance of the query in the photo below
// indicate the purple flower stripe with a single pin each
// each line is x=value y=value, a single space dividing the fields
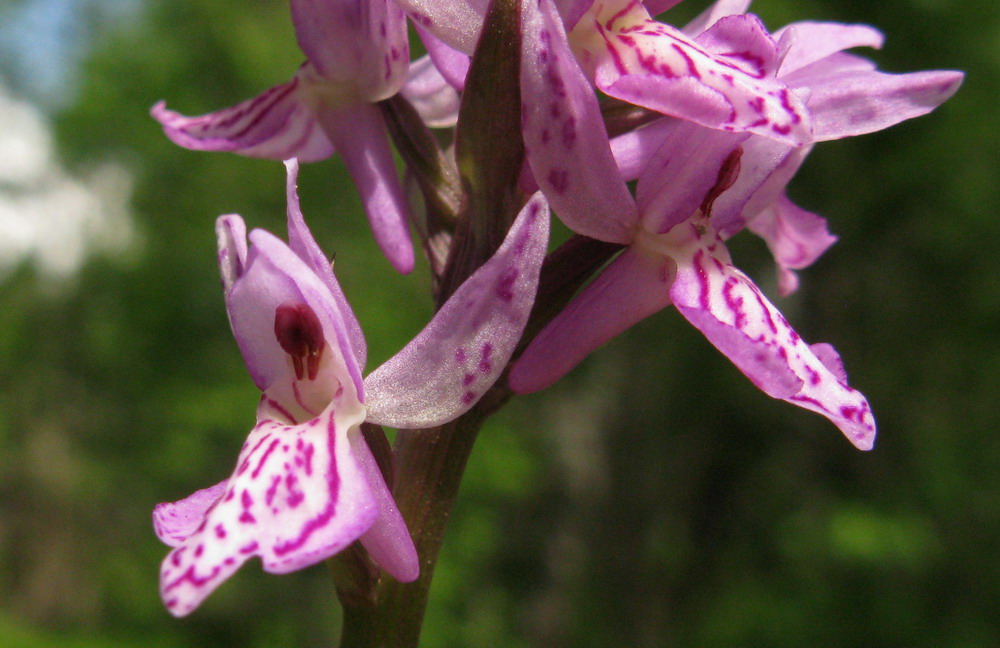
x=276 y=125
x=298 y=496
x=736 y=317
x=723 y=80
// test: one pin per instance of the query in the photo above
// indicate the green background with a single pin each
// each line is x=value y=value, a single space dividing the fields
x=652 y=498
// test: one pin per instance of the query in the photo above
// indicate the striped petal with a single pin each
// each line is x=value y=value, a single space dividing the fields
x=297 y=496
x=277 y=124
x=739 y=320
x=724 y=79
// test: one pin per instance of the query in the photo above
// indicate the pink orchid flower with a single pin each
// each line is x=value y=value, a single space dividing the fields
x=306 y=484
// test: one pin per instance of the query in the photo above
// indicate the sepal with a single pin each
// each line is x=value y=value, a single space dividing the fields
x=565 y=140
x=463 y=350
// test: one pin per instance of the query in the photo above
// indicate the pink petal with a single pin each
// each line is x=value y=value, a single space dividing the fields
x=456 y=22
x=830 y=359
x=275 y=276
x=432 y=96
x=362 y=45
x=795 y=237
x=564 y=136
x=462 y=351
x=358 y=132
x=301 y=241
x=713 y=13
x=276 y=124
x=855 y=103
x=174 y=522
x=297 y=496
x=724 y=80
x=633 y=150
x=387 y=540
x=451 y=63
x=813 y=41
x=831 y=66
x=735 y=316
x=634 y=286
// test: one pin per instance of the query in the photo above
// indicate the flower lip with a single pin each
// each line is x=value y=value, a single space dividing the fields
x=300 y=334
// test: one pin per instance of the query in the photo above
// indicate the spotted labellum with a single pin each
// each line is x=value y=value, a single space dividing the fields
x=306 y=484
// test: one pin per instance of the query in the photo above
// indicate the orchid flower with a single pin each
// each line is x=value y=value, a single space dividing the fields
x=677 y=256
x=845 y=96
x=358 y=54
x=306 y=484
x=697 y=187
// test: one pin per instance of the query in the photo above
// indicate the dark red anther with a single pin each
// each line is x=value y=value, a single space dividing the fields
x=728 y=172
x=301 y=336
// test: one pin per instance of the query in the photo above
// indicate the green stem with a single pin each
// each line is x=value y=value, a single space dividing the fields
x=428 y=466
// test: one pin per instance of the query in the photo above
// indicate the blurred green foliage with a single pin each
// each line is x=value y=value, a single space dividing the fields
x=652 y=498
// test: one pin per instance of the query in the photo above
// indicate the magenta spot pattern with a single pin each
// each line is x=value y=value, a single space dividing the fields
x=740 y=321
x=742 y=79
x=285 y=511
